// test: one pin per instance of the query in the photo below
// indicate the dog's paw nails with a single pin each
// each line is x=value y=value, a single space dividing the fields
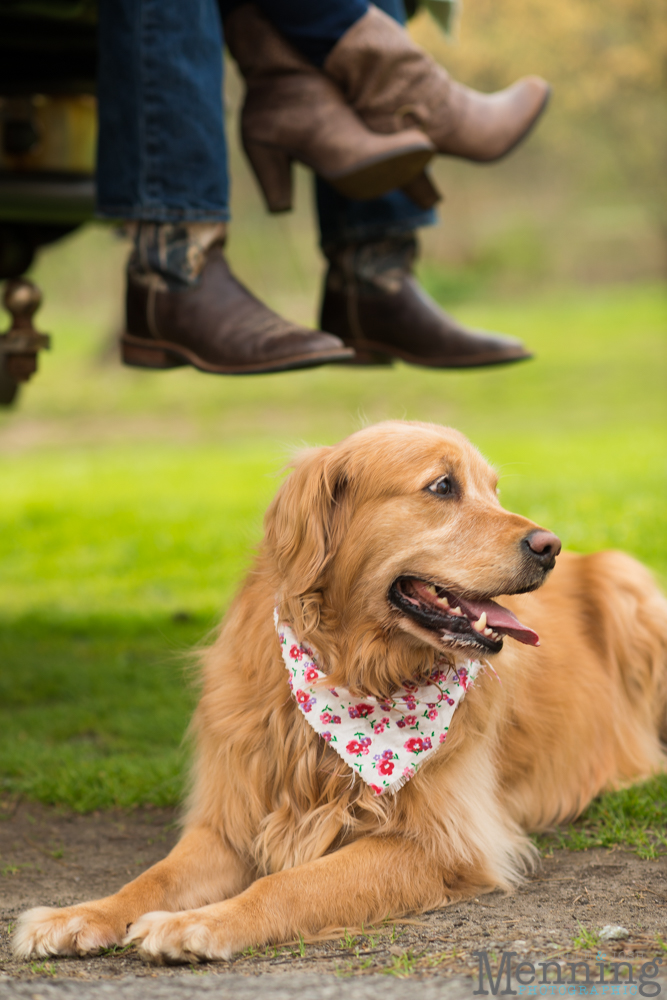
x=72 y=930
x=154 y=938
x=175 y=938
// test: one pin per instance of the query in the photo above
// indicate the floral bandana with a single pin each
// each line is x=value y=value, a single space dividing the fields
x=384 y=742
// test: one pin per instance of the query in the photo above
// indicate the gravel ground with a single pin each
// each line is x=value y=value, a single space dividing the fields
x=291 y=986
x=234 y=987
x=49 y=857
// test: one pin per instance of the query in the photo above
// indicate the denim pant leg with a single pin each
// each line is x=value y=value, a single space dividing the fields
x=344 y=221
x=162 y=155
x=312 y=26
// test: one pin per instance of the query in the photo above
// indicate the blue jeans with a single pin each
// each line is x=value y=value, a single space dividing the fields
x=162 y=153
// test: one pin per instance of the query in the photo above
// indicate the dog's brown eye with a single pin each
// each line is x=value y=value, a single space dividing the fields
x=441 y=486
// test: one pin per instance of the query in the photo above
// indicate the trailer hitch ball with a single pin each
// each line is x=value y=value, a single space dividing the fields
x=21 y=343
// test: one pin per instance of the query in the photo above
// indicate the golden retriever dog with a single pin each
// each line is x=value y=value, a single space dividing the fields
x=390 y=557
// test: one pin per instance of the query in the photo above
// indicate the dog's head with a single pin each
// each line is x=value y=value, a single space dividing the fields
x=395 y=538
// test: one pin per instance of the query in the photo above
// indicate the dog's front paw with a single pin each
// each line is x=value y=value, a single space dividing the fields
x=188 y=936
x=72 y=930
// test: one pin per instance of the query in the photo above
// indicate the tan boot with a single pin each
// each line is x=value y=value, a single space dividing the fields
x=392 y=84
x=292 y=111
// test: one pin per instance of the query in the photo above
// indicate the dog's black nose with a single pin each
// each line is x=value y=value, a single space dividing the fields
x=543 y=546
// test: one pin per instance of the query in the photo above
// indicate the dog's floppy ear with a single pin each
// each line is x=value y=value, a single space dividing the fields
x=306 y=520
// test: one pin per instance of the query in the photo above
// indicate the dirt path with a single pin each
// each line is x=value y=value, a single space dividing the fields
x=48 y=857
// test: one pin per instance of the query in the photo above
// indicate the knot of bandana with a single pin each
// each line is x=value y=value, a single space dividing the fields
x=384 y=742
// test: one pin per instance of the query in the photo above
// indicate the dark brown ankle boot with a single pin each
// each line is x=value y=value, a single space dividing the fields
x=374 y=304
x=292 y=111
x=185 y=307
x=392 y=84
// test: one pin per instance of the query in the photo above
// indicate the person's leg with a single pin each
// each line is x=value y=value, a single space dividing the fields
x=393 y=84
x=162 y=155
x=343 y=221
x=292 y=111
x=162 y=166
x=418 y=330
x=371 y=298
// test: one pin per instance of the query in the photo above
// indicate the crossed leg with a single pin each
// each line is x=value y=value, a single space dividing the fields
x=200 y=869
x=362 y=882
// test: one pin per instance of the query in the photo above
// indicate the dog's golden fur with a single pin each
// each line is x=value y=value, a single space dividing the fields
x=278 y=837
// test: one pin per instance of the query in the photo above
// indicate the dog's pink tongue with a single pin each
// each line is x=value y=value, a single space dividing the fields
x=500 y=620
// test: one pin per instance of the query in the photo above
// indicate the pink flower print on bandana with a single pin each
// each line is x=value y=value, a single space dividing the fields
x=384 y=742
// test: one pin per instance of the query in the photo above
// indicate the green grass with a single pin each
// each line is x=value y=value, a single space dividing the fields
x=635 y=817
x=131 y=503
x=93 y=709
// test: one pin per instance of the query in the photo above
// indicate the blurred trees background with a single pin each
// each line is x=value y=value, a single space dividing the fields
x=586 y=198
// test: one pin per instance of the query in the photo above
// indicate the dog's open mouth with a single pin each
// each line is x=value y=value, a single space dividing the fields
x=463 y=621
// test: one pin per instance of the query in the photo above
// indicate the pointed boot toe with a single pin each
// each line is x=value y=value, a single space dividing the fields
x=393 y=85
x=489 y=126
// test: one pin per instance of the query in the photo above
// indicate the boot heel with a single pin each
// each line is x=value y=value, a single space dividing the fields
x=422 y=191
x=273 y=170
x=148 y=357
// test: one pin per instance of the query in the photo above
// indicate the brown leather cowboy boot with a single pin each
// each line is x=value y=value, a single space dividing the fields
x=393 y=84
x=185 y=307
x=292 y=111
x=374 y=304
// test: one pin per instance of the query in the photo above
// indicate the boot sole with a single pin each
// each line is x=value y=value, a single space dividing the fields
x=371 y=353
x=377 y=177
x=369 y=359
x=370 y=179
x=161 y=354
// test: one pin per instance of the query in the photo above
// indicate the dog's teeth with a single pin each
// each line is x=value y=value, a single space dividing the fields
x=443 y=601
x=488 y=631
x=480 y=624
x=431 y=589
x=457 y=612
